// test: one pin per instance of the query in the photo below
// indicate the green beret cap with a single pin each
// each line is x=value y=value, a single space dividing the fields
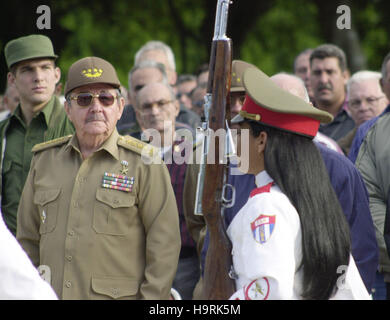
x=30 y=47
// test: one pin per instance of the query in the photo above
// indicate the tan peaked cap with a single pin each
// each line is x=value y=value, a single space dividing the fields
x=267 y=103
x=238 y=68
x=90 y=70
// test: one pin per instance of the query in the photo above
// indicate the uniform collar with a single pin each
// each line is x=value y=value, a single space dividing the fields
x=46 y=111
x=263 y=179
x=110 y=145
x=17 y=114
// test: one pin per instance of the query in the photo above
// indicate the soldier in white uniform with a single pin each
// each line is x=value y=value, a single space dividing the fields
x=291 y=239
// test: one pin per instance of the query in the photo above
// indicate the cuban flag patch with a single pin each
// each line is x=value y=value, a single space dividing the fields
x=263 y=227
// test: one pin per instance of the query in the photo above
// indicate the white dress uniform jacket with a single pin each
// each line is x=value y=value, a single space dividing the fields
x=267 y=249
x=19 y=280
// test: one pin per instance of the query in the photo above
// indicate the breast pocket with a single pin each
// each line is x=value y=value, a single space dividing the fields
x=114 y=212
x=47 y=202
x=114 y=288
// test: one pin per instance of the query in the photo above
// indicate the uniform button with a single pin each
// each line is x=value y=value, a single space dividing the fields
x=68 y=284
x=71 y=233
x=69 y=258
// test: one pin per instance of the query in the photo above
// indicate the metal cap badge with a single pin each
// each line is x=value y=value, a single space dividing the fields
x=238 y=69
x=90 y=70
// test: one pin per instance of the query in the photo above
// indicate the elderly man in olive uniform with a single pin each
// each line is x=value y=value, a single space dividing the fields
x=97 y=213
x=38 y=117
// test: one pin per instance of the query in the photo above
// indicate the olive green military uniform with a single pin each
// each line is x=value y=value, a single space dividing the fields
x=100 y=242
x=16 y=138
x=16 y=142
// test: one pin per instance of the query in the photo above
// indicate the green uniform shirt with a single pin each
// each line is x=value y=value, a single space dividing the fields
x=17 y=156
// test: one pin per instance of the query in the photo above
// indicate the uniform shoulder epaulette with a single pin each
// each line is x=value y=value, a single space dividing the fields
x=137 y=146
x=51 y=143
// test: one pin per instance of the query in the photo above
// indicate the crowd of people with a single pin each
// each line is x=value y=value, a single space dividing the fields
x=96 y=207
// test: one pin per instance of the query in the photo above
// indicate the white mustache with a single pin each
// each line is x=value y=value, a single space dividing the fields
x=94 y=117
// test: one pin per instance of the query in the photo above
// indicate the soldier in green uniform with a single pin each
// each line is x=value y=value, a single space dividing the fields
x=98 y=220
x=38 y=117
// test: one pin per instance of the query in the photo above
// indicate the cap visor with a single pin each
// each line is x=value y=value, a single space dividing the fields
x=237 y=89
x=237 y=119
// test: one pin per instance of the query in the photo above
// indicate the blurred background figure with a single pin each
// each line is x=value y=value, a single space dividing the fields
x=365 y=127
x=302 y=70
x=197 y=98
x=185 y=84
x=328 y=77
x=156 y=108
x=143 y=73
x=10 y=101
x=160 y=52
x=366 y=100
x=202 y=73
x=237 y=90
x=125 y=94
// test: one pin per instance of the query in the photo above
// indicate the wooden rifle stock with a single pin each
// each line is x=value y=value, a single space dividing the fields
x=217 y=284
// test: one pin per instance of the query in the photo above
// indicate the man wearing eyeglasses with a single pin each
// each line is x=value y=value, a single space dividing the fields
x=38 y=117
x=156 y=111
x=97 y=211
x=366 y=100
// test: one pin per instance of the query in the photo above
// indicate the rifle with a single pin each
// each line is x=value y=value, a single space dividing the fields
x=212 y=178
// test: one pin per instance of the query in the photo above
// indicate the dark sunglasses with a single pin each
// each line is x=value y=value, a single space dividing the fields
x=85 y=99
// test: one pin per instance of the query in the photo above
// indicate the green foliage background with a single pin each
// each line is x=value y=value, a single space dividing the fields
x=267 y=33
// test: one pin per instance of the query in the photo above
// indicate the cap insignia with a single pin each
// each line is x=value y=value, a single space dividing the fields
x=250 y=116
x=92 y=73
